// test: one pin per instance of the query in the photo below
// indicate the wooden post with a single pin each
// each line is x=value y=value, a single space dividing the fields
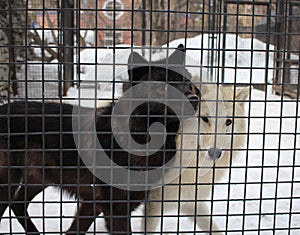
x=67 y=12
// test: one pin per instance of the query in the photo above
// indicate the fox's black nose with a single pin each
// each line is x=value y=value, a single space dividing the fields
x=214 y=153
x=194 y=100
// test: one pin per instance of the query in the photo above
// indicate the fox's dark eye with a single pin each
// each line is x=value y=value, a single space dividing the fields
x=205 y=119
x=228 y=122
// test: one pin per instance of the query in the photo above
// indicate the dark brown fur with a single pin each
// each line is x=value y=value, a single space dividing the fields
x=37 y=149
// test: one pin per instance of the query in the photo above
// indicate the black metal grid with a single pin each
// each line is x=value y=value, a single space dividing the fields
x=48 y=51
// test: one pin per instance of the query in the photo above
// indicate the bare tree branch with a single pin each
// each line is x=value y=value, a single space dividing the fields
x=52 y=27
x=37 y=40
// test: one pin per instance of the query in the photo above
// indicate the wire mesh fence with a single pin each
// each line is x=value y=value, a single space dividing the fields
x=86 y=86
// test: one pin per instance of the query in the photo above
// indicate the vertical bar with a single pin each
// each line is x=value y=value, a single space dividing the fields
x=11 y=48
x=144 y=25
x=279 y=42
x=287 y=66
x=67 y=12
x=225 y=10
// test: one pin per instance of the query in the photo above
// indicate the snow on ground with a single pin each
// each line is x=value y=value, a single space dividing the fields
x=264 y=188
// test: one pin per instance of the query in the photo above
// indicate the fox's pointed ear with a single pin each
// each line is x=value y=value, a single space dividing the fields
x=136 y=60
x=137 y=68
x=206 y=87
x=181 y=48
x=178 y=56
x=196 y=82
x=242 y=95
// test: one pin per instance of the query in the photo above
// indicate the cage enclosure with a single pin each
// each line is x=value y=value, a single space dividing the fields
x=82 y=80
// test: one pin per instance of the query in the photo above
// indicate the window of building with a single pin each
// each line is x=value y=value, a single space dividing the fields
x=113 y=8
x=109 y=38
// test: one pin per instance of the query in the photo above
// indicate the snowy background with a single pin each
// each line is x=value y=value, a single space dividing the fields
x=263 y=190
x=246 y=61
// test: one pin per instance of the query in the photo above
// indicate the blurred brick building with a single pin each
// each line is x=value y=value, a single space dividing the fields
x=125 y=21
x=156 y=22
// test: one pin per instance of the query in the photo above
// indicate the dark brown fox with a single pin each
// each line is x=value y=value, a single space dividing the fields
x=37 y=150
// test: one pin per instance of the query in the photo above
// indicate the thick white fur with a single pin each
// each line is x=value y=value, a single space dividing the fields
x=196 y=134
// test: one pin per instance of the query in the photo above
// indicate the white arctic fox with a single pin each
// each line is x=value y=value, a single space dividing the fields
x=210 y=140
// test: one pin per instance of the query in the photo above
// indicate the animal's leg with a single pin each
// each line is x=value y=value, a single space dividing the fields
x=3 y=199
x=20 y=205
x=88 y=211
x=152 y=217
x=117 y=218
x=160 y=201
x=203 y=217
x=7 y=190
